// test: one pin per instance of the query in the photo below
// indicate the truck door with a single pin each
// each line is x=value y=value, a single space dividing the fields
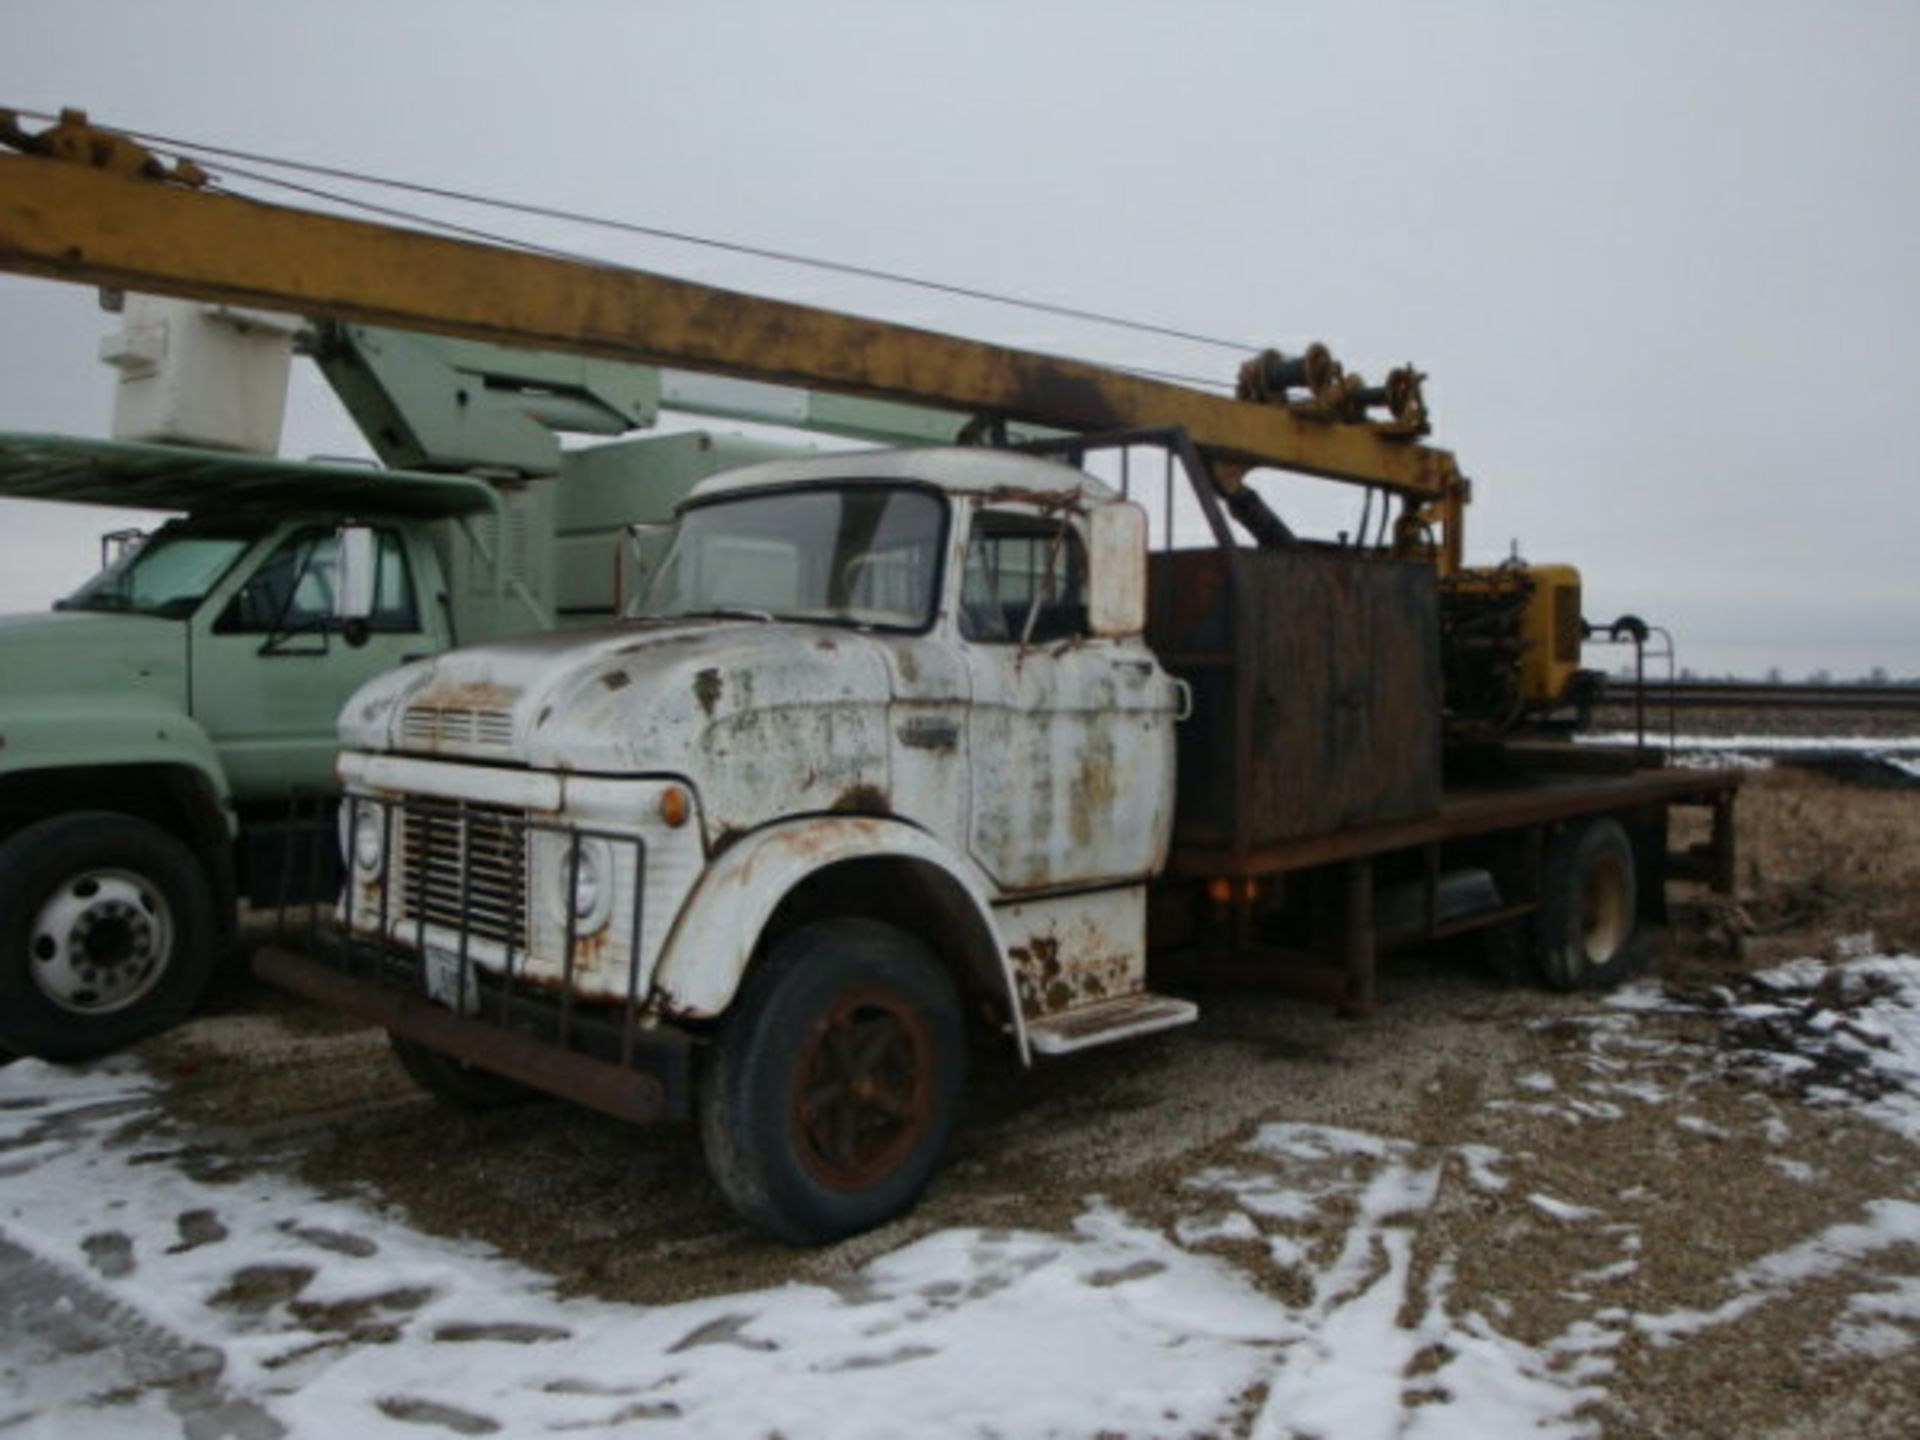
x=271 y=669
x=1070 y=737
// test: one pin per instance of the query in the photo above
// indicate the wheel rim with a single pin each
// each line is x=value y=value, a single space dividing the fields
x=1604 y=917
x=863 y=1092
x=100 y=941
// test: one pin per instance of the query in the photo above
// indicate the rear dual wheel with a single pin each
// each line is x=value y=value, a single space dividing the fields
x=1587 y=929
x=831 y=1091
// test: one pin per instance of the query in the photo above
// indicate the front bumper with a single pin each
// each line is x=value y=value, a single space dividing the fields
x=630 y=1072
x=451 y=932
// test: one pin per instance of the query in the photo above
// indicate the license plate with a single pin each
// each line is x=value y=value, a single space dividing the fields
x=447 y=986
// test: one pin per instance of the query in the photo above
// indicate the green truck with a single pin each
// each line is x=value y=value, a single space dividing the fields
x=156 y=725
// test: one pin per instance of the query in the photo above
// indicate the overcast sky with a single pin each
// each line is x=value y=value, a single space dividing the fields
x=1659 y=259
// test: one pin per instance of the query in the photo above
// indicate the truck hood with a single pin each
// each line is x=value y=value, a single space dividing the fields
x=762 y=719
x=79 y=653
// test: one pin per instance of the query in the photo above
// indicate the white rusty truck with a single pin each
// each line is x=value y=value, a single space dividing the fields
x=888 y=725
x=888 y=751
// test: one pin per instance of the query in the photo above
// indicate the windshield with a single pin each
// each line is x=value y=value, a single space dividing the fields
x=854 y=555
x=168 y=575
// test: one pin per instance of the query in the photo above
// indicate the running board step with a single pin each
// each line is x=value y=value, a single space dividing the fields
x=1105 y=1021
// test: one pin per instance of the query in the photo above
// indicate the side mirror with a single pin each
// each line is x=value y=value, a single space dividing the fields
x=356 y=578
x=1117 y=582
x=118 y=545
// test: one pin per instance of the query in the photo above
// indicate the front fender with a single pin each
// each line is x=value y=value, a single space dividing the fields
x=714 y=938
x=67 y=733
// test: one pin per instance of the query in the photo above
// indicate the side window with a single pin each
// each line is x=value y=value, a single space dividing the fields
x=1022 y=567
x=293 y=589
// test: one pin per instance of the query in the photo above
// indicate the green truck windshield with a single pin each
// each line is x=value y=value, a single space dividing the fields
x=167 y=576
x=861 y=555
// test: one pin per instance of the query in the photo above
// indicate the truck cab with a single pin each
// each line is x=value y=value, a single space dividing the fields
x=885 y=748
x=157 y=719
x=208 y=597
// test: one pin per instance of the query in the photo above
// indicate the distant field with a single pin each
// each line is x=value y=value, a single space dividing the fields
x=1793 y=710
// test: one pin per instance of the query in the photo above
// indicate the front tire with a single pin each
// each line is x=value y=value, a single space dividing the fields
x=831 y=1092
x=1588 y=924
x=455 y=1083
x=107 y=934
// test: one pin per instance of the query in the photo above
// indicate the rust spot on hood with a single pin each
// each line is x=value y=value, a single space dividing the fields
x=706 y=689
x=863 y=800
x=475 y=695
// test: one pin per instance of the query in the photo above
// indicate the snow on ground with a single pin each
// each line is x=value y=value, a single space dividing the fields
x=1903 y=748
x=1359 y=1365
x=1847 y=1035
x=1888 y=1223
x=145 y=1291
x=334 y=1319
x=1757 y=752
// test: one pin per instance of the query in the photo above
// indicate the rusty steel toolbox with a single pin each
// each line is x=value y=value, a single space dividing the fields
x=1316 y=690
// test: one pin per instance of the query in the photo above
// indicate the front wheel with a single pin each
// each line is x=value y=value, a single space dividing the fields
x=1588 y=924
x=831 y=1092
x=454 y=1082
x=107 y=934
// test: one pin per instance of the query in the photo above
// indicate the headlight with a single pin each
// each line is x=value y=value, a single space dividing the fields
x=586 y=884
x=588 y=864
x=369 y=837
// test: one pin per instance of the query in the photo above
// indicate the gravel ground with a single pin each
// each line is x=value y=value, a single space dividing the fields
x=1644 y=1137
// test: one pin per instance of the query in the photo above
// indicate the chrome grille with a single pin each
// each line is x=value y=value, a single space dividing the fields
x=429 y=725
x=476 y=854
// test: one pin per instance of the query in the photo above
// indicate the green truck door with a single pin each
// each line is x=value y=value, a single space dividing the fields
x=271 y=667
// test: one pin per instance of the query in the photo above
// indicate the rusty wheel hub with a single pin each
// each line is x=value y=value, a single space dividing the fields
x=863 y=1096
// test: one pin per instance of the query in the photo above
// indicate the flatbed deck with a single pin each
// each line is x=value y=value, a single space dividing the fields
x=1504 y=819
x=1532 y=796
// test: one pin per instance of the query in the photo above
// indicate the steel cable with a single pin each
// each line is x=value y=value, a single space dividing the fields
x=197 y=149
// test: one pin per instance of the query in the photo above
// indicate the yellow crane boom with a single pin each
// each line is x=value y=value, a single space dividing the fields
x=90 y=206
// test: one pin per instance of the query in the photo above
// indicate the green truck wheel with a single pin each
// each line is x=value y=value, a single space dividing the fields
x=107 y=934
